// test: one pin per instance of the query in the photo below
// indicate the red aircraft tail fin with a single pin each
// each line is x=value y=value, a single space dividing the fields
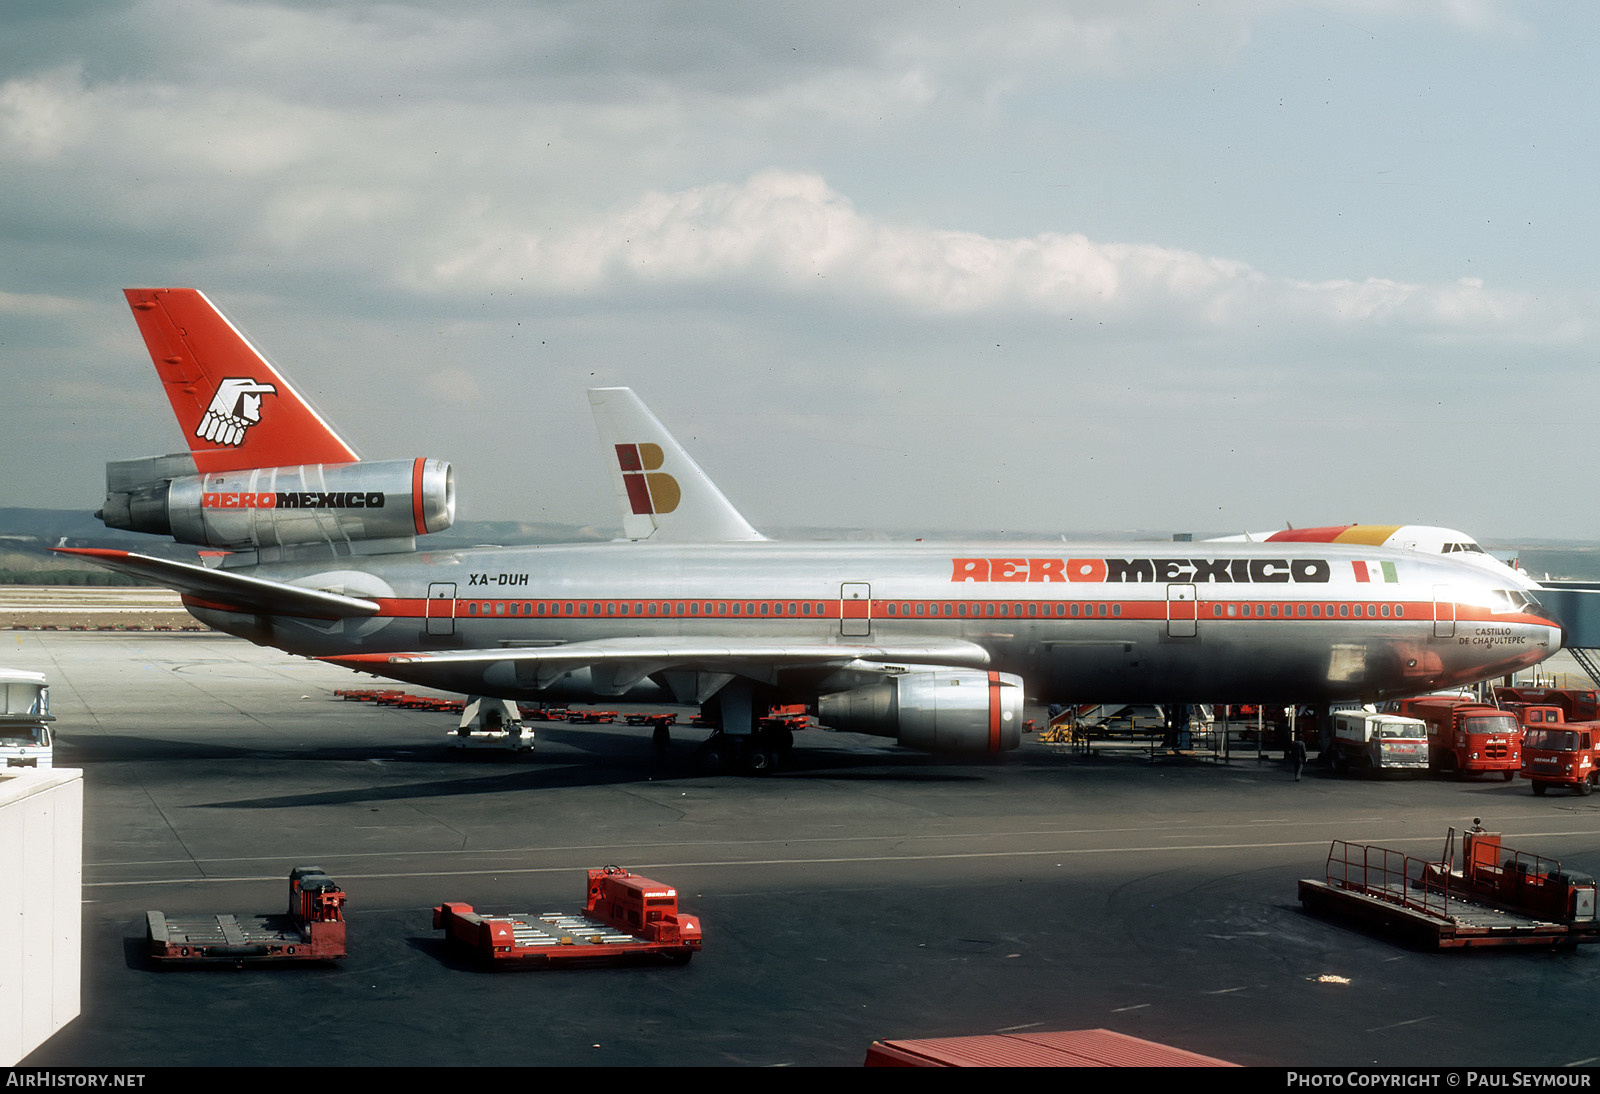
x=234 y=408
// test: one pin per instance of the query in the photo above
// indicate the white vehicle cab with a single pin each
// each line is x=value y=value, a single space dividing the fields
x=25 y=739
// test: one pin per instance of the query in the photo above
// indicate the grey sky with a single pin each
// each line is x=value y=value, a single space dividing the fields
x=1054 y=266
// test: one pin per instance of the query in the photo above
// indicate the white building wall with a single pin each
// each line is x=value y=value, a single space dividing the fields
x=41 y=906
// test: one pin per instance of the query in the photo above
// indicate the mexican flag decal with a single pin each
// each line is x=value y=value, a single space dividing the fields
x=1375 y=571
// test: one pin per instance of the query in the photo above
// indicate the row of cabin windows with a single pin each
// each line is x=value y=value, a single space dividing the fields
x=959 y=608
x=779 y=608
x=1313 y=611
x=647 y=608
x=949 y=609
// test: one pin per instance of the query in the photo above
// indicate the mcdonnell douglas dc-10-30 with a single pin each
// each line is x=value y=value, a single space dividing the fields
x=934 y=645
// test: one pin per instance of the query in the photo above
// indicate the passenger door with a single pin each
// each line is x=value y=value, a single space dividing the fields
x=1444 y=611
x=440 y=609
x=1182 y=618
x=855 y=609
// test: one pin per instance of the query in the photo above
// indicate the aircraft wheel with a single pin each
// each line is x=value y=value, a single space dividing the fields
x=711 y=759
x=661 y=739
x=758 y=761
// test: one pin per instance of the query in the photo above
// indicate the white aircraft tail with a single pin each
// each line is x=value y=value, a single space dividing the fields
x=662 y=493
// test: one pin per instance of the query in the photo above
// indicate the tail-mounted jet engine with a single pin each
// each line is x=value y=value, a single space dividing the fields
x=279 y=506
x=939 y=710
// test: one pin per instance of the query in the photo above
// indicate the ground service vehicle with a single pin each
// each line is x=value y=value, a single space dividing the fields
x=1372 y=743
x=1561 y=755
x=1036 y=1048
x=1578 y=704
x=311 y=930
x=626 y=917
x=25 y=739
x=1468 y=738
x=1499 y=897
x=1534 y=714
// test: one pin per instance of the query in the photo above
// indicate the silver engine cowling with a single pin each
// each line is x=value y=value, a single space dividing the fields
x=938 y=710
x=280 y=506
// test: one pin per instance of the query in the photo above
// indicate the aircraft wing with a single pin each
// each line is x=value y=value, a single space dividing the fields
x=619 y=663
x=226 y=589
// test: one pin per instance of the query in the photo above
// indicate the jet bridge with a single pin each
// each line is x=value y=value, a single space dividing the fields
x=1577 y=605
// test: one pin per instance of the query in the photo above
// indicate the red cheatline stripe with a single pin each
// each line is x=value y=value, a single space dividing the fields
x=977 y=610
x=610 y=609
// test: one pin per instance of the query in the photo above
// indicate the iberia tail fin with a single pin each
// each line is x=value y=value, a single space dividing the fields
x=235 y=410
x=663 y=493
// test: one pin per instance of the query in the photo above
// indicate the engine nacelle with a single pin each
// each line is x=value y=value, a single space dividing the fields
x=939 y=710
x=280 y=506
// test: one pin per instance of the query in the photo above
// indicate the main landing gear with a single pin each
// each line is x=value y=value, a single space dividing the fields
x=759 y=752
x=745 y=741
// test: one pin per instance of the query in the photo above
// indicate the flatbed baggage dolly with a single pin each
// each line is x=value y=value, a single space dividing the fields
x=626 y=917
x=1497 y=897
x=312 y=929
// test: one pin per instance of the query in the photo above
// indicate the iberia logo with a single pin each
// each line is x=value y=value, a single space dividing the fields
x=650 y=490
x=234 y=409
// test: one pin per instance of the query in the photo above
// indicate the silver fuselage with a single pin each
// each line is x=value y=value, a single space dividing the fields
x=1078 y=622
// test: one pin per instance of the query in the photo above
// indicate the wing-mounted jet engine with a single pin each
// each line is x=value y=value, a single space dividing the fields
x=937 y=710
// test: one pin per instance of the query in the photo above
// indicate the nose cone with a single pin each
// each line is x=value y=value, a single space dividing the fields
x=1507 y=648
x=1499 y=644
x=1549 y=629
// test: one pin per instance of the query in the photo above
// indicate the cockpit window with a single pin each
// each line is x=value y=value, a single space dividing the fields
x=1454 y=548
x=1510 y=600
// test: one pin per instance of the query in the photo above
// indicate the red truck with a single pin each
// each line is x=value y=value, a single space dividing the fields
x=1531 y=715
x=1468 y=738
x=1562 y=754
x=1579 y=704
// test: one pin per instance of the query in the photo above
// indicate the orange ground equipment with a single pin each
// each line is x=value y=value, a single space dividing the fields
x=1498 y=897
x=311 y=930
x=626 y=917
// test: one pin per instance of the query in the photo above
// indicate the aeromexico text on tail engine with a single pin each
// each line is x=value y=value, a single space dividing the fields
x=306 y=499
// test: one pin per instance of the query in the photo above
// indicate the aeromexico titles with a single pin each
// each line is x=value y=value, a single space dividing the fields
x=934 y=645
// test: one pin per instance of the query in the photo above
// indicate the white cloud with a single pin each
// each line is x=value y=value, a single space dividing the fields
x=36 y=304
x=789 y=234
x=39 y=115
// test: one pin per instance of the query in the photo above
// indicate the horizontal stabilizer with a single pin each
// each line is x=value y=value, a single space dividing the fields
x=226 y=590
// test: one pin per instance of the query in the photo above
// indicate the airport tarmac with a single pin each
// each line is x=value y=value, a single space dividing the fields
x=868 y=892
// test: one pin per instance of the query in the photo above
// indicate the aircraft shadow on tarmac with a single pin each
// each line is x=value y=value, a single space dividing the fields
x=473 y=773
